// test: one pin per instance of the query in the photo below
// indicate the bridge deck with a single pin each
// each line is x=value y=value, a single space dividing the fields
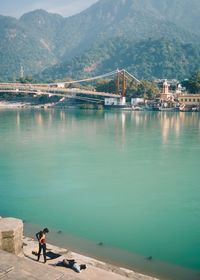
x=45 y=89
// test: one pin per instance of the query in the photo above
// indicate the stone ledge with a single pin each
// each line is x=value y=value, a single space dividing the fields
x=11 y=234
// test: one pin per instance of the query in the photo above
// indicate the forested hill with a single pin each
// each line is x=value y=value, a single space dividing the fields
x=147 y=59
x=20 y=46
x=39 y=39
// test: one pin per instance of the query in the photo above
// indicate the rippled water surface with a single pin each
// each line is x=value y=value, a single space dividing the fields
x=127 y=179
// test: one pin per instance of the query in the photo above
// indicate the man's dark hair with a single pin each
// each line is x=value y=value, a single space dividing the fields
x=45 y=230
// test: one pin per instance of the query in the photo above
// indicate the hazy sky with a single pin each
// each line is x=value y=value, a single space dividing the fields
x=64 y=7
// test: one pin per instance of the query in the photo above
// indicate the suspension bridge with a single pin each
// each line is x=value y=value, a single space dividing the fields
x=65 y=89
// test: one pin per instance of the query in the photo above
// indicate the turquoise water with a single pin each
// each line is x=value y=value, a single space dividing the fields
x=127 y=179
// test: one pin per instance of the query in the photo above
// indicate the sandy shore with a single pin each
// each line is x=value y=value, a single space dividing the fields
x=95 y=269
x=7 y=104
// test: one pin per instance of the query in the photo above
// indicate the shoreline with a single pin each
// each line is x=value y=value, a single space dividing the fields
x=89 y=249
x=4 y=104
x=112 y=257
x=7 y=104
x=95 y=269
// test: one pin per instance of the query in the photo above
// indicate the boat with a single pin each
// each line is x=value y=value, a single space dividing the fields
x=137 y=108
x=168 y=109
x=189 y=108
x=118 y=106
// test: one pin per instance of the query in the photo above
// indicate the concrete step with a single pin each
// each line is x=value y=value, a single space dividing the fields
x=19 y=268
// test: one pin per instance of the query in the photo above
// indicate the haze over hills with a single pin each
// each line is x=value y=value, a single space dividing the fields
x=109 y=34
x=148 y=59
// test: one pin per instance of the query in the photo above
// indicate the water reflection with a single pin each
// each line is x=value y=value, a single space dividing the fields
x=18 y=120
x=120 y=123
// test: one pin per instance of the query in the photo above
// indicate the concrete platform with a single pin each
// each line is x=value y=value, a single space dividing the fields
x=20 y=268
x=26 y=267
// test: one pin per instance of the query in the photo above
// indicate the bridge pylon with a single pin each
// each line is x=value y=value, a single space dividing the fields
x=121 y=83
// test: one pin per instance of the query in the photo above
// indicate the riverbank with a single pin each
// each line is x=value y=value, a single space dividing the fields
x=95 y=269
x=112 y=258
x=7 y=104
x=19 y=259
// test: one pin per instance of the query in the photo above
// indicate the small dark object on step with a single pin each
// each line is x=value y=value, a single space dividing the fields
x=59 y=231
x=149 y=258
x=100 y=244
x=52 y=255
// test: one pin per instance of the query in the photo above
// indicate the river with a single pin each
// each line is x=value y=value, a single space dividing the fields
x=126 y=180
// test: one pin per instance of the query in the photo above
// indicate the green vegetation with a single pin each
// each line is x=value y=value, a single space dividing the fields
x=144 y=89
x=148 y=59
x=106 y=86
x=26 y=80
x=108 y=35
x=193 y=84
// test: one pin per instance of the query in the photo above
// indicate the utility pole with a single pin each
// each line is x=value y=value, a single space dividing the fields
x=21 y=72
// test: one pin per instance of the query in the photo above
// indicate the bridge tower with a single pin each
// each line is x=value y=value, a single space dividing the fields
x=121 y=83
x=117 y=82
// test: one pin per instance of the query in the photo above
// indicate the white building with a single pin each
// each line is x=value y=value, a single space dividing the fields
x=115 y=101
x=136 y=101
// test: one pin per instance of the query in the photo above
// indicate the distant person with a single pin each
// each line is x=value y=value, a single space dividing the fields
x=72 y=264
x=41 y=237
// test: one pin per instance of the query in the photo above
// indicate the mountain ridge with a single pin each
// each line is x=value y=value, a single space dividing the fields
x=146 y=59
x=39 y=40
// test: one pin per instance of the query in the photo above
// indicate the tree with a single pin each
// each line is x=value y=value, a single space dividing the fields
x=25 y=80
x=145 y=89
x=194 y=83
x=106 y=86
